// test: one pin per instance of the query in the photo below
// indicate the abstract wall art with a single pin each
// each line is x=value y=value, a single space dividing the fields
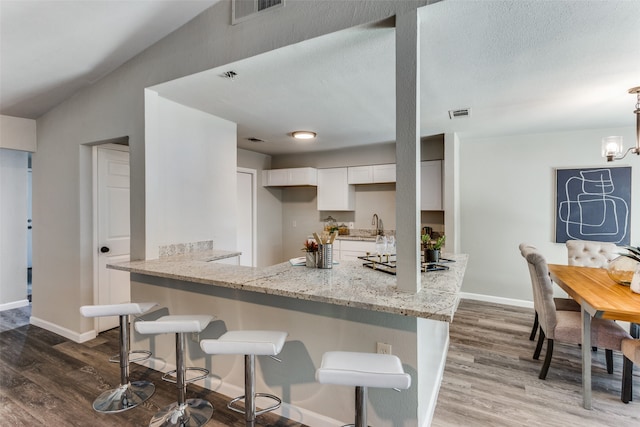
x=593 y=204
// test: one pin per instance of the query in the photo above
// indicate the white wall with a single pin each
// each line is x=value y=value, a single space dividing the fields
x=507 y=197
x=191 y=176
x=17 y=133
x=13 y=229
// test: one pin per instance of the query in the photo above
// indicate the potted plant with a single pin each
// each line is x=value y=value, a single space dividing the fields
x=311 y=249
x=432 y=247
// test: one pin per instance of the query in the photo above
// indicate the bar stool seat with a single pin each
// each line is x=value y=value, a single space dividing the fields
x=362 y=370
x=250 y=344
x=184 y=412
x=130 y=393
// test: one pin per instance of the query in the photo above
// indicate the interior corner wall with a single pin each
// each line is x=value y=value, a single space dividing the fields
x=508 y=197
x=269 y=220
x=13 y=228
x=191 y=176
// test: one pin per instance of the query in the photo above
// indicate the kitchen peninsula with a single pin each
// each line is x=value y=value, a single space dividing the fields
x=348 y=307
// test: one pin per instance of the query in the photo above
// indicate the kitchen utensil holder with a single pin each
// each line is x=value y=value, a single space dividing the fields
x=325 y=255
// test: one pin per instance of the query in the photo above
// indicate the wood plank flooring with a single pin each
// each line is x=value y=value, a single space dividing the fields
x=47 y=380
x=490 y=379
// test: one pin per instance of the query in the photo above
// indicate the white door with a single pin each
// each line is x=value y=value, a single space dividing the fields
x=246 y=216
x=113 y=230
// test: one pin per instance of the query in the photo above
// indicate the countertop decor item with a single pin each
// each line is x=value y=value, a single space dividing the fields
x=311 y=256
x=622 y=269
x=432 y=247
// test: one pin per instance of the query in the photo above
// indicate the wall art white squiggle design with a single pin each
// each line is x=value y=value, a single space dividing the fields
x=593 y=204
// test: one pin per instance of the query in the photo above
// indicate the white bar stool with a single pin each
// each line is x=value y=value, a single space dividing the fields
x=362 y=370
x=250 y=344
x=128 y=394
x=184 y=412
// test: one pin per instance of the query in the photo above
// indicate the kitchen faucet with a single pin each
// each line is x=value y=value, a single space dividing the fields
x=377 y=221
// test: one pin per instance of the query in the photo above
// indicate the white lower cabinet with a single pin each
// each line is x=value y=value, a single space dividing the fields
x=334 y=191
x=349 y=250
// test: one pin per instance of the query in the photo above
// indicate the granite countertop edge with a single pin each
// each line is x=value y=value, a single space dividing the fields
x=347 y=284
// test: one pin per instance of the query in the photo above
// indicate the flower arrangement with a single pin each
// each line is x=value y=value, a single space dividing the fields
x=310 y=246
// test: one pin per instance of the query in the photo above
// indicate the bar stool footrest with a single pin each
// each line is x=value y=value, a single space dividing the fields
x=146 y=354
x=260 y=412
x=170 y=376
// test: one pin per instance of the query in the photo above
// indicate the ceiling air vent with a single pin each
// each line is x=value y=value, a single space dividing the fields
x=457 y=114
x=245 y=9
x=254 y=139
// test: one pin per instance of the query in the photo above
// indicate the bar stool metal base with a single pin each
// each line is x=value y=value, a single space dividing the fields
x=193 y=413
x=277 y=404
x=124 y=397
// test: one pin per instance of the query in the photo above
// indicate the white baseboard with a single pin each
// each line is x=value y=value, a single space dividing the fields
x=294 y=413
x=67 y=333
x=14 y=304
x=496 y=300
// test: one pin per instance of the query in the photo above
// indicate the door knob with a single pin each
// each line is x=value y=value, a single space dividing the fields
x=104 y=249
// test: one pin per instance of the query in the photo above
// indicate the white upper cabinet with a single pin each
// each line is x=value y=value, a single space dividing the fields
x=372 y=174
x=289 y=177
x=334 y=191
x=431 y=185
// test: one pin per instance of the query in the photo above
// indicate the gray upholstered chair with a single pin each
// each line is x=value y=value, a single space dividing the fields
x=631 y=353
x=564 y=326
x=585 y=253
x=562 y=304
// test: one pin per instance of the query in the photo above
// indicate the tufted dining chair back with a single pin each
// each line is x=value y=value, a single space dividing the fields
x=585 y=253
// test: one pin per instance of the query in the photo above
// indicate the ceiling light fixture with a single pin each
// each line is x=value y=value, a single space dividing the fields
x=612 y=145
x=303 y=134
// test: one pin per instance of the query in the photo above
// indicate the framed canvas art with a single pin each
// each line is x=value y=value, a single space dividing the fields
x=593 y=204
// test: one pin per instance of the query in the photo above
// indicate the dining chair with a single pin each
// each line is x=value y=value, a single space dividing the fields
x=631 y=355
x=585 y=253
x=562 y=304
x=565 y=326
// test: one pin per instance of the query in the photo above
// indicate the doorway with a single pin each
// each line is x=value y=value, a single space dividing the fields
x=112 y=230
x=246 y=196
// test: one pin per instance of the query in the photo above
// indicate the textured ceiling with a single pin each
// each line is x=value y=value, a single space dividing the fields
x=525 y=66
x=51 y=49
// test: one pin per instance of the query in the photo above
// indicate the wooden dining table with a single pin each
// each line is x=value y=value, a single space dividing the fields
x=599 y=296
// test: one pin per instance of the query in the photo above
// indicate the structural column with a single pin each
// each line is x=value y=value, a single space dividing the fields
x=408 y=150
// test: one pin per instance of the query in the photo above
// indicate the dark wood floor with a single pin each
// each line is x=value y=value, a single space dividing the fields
x=490 y=379
x=47 y=380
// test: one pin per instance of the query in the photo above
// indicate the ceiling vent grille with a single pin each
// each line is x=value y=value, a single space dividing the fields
x=242 y=10
x=459 y=113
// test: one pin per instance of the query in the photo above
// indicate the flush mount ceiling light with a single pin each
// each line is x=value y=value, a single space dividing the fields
x=612 y=145
x=303 y=134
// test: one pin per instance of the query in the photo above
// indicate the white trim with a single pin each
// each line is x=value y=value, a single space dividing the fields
x=496 y=300
x=439 y=376
x=294 y=413
x=67 y=333
x=14 y=304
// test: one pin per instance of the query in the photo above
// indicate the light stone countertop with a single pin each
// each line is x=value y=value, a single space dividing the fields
x=346 y=284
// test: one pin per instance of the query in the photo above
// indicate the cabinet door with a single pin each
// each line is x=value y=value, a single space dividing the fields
x=384 y=173
x=302 y=176
x=278 y=177
x=334 y=191
x=431 y=185
x=360 y=174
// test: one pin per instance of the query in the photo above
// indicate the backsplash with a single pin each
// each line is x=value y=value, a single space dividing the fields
x=183 y=248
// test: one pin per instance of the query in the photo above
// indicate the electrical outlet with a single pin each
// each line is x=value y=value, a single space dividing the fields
x=195 y=337
x=383 y=348
x=351 y=226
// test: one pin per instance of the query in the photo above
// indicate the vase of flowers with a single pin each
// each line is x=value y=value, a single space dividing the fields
x=432 y=247
x=622 y=268
x=311 y=253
